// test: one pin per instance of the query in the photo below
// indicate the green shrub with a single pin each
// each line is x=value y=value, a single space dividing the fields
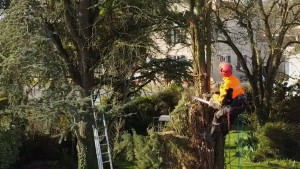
x=144 y=151
x=157 y=150
x=250 y=145
x=124 y=149
x=285 y=103
x=279 y=140
x=180 y=116
x=139 y=112
x=249 y=116
x=10 y=143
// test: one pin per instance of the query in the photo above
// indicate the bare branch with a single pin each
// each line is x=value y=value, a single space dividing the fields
x=233 y=46
x=272 y=7
x=290 y=43
x=266 y=21
x=139 y=88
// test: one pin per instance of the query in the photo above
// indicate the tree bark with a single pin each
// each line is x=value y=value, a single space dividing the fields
x=80 y=29
x=219 y=151
x=199 y=18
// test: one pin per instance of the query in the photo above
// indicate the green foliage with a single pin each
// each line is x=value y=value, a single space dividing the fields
x=249 y=116
x=176 y=151
x=273 y=139
x=157 y=150
x=250 y=144
x=248 y=163
x=278 y=140
x=10 y=143
x=125 y=148
x=168 y=98
x=57 y=48
x=143 y=150
x=139 y=113
x=180 y=116
x=285 y=103
x=147 y=151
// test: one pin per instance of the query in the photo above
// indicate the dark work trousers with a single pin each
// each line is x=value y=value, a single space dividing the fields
x=220 y=119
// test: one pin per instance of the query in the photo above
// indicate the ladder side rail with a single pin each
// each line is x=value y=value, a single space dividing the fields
x=107 y=142
x=98 y=148
x=96 y=135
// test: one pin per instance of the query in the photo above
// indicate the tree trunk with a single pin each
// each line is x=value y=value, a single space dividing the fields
x=219 y=151
x=85 y=145
x=200 y=117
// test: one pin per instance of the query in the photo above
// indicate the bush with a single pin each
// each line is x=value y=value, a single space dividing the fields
x=10 y=143
x=285 y=103
x=250 y=145
x=279 y=140
x=139 y=112
x=143 y=150
x=180 y=116
x=157 y=150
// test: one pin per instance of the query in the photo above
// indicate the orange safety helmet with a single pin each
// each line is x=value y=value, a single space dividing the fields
x=225 y=69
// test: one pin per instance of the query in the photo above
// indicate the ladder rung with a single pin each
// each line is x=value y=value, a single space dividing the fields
x=106 y=161
x=102 y=136
x=103 y=144
x=104 y=153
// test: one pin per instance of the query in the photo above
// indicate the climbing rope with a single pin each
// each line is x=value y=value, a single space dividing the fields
x=228 y=125
x=239 y=143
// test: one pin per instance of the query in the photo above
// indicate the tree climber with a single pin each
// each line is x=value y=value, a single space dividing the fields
x=230 y=101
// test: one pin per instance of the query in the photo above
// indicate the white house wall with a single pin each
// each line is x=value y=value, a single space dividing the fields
x=292 y=68
x=221 y=50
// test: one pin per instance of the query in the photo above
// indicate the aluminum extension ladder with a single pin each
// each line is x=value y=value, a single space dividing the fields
x=102 y=149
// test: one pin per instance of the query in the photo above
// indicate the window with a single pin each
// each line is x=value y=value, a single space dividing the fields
x=228 y=59
x=221 y=58
x=175 y=35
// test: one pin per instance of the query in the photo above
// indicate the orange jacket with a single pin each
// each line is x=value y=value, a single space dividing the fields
x=230 y=82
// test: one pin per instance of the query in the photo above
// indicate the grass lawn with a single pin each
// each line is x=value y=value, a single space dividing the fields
x=246 y=163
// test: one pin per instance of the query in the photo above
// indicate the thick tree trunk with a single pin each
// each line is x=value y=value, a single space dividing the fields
x=219 y=151
x=200 y=117
x=86 y=146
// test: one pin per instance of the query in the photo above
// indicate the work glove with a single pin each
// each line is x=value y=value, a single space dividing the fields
x=214 y=104
x=223 y=112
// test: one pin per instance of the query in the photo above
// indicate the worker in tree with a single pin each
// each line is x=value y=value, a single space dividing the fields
x=230 y=101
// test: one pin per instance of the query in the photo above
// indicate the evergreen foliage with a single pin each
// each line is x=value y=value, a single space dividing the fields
x=284 y=103
x=139 y=113
x=143 y=150
x=180 y=116
x=278 y=140
x=10 y=143
x=157 y=150
x=53 y=53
